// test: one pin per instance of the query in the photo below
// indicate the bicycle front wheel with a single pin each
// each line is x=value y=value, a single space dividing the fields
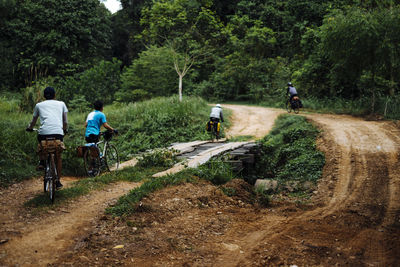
x=288 y=106
x=51 y=181
x=92 y=162
x=111 y=158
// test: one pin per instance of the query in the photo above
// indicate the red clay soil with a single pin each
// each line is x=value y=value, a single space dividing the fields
x=353 y=218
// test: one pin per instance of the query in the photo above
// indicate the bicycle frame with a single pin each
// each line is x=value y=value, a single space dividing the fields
x=96 y=163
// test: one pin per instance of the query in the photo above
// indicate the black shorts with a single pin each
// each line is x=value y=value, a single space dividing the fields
x=92 y=138
x=41 y=137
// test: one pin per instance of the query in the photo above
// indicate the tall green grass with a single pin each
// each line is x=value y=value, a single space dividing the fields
x=142 y=126
x=289 y=152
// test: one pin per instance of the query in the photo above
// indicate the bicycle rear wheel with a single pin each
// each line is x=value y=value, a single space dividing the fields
x=296 y=106
x=111 y=158
x=212 y=134
x=92 y=161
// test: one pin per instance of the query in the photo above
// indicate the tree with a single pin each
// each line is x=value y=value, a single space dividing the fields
x=356 y=54
x=188 y=28
x=54 y=37
x=152 y=72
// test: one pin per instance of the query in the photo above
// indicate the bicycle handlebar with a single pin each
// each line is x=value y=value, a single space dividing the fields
x=31 y=130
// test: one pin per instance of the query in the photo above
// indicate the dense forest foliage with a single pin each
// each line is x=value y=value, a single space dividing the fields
x=236 y=50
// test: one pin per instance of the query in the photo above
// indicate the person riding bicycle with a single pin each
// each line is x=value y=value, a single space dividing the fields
x=292 y=92
x=94 y=121
x=215 y=116
x=53 y=124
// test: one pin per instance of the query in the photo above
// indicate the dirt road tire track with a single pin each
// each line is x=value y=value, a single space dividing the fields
x=38 y=241
x=356 y=216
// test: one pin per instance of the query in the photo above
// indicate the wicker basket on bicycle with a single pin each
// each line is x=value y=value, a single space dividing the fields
x=50 y=146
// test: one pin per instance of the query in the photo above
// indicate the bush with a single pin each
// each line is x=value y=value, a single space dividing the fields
x=147 y=125
x=216 y=171
x=289 y=152
x=101 y=81
x=154 y=73
x=17 y=159
x=158 y=158
x=34 y=94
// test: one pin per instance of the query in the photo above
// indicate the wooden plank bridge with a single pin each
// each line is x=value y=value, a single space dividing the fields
x=194 y=154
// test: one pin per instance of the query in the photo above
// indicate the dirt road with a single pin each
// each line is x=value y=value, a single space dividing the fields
x=353 y=219
x=251 y=121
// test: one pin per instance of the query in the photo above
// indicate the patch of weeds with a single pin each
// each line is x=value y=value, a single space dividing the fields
x=216 y=171
x=84 y=186
x=289 y=152
x=300 y=197
x=262 y=196
x=229 y=191
x=158 y=157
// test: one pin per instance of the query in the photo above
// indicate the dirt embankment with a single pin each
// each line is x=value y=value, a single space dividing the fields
x=353 y=219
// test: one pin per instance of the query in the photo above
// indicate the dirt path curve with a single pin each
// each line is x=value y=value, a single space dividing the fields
x=251 y=121
x=36 y=239
x=356 y=220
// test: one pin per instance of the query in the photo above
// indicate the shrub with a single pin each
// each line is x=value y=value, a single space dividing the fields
x=289 y=152
x=216 y=171
x=147 y=125
x=158 y=158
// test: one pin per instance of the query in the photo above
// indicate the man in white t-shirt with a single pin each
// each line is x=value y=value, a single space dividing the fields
x=216 y=116
x=53 y=123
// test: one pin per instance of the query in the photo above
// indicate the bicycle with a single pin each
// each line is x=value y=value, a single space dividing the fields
x=293 y=105
x=214 y=130
x=101 y=155
x=51 y=147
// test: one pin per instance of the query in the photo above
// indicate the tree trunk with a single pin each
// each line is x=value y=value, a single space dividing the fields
x=180 y=88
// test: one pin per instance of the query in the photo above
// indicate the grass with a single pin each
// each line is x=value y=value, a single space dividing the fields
x=155 y=123
x=289 y=153
x=215 y=171
x=127 y=204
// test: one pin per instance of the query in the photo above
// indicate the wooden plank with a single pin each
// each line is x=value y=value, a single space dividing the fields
x=201 y=158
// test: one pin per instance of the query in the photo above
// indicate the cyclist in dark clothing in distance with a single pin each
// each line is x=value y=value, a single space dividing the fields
x=292 y=92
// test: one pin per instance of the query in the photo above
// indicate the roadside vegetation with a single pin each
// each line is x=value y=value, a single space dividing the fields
x=289 y=156
x=155 y=123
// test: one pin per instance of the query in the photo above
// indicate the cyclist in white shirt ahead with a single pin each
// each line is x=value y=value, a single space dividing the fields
x=216 y=116
x=53 y=123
